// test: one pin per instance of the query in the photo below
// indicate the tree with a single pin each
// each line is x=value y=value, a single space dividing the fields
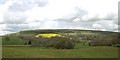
x=6 y=38
x=115 y=39
x=64 y=43
x=55 y=42
x=102 y=41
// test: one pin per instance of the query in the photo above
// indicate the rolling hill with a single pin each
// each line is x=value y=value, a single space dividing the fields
x=21 y=37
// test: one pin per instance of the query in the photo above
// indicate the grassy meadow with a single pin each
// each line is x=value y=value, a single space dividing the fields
x=79 y=52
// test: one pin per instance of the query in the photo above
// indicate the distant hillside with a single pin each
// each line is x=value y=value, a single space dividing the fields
x=20 y=38
x=60 y=31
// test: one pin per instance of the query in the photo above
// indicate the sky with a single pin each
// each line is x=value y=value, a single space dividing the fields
x=18 y=15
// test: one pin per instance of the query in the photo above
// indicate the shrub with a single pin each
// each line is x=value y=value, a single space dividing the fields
x=101 y=43
x=115 y=39
x=37 y=42
x=69 y=44
x=55 y=42
x=6 y=38
x=59 y=45
x=64 y=43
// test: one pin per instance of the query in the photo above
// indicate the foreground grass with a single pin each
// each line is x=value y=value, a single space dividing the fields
x=37 y=52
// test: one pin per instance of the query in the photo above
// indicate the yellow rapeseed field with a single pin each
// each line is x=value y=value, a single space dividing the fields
x=50 y=35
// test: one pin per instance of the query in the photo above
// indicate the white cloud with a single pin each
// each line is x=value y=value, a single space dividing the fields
x=97 y=26
x=2 y=27
x=14 y=17
x=56 y=9
x=3 y=9
x=101 y=7
x=5 y=32
x=76 y=19
x=53 y=14
x=107 y=25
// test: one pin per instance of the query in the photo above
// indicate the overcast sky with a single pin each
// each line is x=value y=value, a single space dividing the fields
x=18 y=15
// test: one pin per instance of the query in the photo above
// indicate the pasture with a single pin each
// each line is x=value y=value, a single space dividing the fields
x=78 y=52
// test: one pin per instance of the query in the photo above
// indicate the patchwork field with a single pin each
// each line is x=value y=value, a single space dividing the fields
x=60 y=44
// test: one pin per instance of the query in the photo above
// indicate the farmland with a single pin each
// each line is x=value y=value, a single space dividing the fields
x=74 y=44
x=81 y=52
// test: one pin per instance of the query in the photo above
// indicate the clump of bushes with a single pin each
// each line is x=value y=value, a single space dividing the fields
x=55 y=42
x=111 y=40
x=6 y=38
x=64 y=43
x=100 y=42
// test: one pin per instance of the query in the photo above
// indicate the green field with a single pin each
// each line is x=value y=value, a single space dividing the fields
x=14 y=45
x=78 y=52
